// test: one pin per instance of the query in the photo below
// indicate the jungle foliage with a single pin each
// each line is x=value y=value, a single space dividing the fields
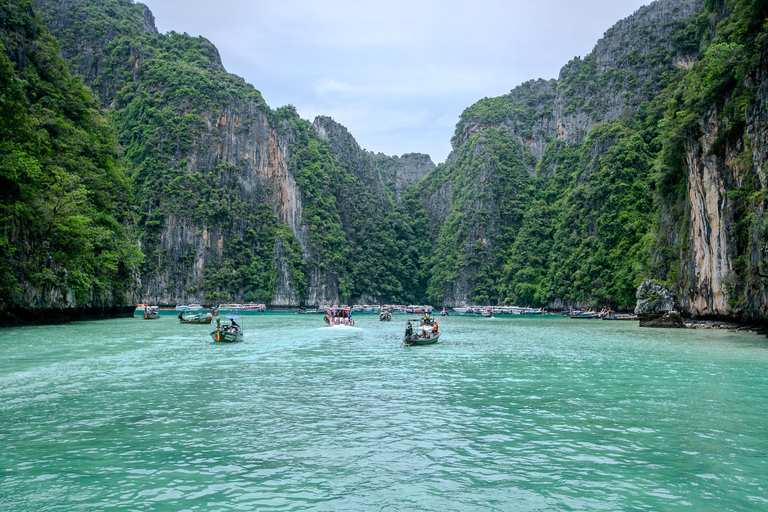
x=601 y=215
x=65 y=216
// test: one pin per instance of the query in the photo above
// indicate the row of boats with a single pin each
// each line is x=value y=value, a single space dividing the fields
x=427 y=333
x=357 y=308
x=226 y=332
x=234 y=308
x=605 y=314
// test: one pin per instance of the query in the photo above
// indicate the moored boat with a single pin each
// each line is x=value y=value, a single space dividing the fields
x=418 y=309
x=612 y=315
x=310 y=311
x=227 y=333
x=230 y=308
x=426 y=334
x=255 y=307
x=587 y=314
x=198 y=318
x=339 y=316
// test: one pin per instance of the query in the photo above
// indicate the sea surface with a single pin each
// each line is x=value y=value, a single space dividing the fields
x=504 y=414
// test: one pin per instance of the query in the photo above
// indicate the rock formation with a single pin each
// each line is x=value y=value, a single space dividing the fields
x=657 y=306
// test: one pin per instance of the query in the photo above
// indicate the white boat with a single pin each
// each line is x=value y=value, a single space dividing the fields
x=183 y=306
x=254 y=307
x=462 y=311
x=223 y=308
x=339 y=316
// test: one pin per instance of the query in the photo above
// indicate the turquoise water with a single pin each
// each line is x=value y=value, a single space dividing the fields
x=507 y=414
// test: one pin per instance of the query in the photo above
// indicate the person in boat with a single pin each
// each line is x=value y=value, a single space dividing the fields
x=181 y=315
x=234 y=324
x=409 y=330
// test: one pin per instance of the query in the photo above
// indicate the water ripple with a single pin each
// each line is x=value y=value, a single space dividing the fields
x=511 y=414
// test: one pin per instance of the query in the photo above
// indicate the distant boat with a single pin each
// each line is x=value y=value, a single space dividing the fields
x=198 y=318
x=620 y=316
x=462 y=311
x=444 y=312
x=227 y=333
x=233 y=308
x=150 y=313
x=583 y=315
x=310 y=311
x=339 y=316
x=183 y=306
x=385 y=316
x=255 y=307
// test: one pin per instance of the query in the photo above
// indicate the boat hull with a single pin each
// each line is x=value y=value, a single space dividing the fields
x=197 y=321
x=226 y=337
x=417 y=341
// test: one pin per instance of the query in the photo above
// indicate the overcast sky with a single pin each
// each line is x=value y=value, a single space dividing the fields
x=396 y=73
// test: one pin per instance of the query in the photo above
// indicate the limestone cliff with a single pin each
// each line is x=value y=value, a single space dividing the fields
x=627 y=66
x=725 y=258
x=238 y=202
x=487 y=207
x=382 y=171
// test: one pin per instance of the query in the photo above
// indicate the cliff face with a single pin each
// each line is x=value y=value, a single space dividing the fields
x=726 y=254
x=67 y=236
x=384 y=173
x=627 y=66
x=525 y=166
x=238 y=202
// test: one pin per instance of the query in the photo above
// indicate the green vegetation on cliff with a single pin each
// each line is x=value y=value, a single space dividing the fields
x=65 y=217
x=208 y=228
x=711 y=103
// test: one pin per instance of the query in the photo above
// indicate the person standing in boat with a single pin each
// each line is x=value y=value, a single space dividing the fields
x=409 y=330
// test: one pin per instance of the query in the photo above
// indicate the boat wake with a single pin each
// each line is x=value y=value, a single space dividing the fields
x=342 y=328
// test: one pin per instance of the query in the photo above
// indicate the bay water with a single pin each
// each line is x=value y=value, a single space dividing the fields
x=507 y=414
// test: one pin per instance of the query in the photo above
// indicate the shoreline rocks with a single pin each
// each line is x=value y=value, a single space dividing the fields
x=657 y=306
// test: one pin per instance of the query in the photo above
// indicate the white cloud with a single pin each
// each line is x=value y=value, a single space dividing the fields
x=396 y=73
